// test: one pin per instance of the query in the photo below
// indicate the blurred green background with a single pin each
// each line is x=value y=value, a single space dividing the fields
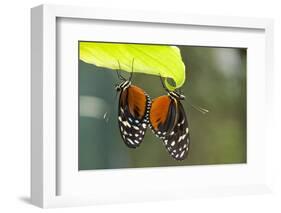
x=216 y=80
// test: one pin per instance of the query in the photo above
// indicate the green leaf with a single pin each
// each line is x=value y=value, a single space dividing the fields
x=149 y=59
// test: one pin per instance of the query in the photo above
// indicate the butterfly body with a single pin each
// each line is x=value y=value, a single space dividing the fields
x=133 y=112
x=169 y=122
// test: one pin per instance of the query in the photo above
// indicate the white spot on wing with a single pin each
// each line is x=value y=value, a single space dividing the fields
x=126 y=123
x=131 y=142
x=182 y=153
x=135 y=127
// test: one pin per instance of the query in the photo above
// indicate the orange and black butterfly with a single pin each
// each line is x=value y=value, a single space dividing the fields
x=133 y=111
x=169 y=122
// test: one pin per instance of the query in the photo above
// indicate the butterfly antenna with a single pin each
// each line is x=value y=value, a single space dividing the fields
x=131 y=76
x=162 y=82
x=118 y=72
x=200 y=109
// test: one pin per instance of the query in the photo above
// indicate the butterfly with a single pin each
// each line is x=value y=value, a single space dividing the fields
x=169 y=122
x=133 y=111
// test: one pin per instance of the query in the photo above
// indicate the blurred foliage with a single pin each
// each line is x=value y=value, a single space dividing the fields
x=216 y=81
x=150 y=59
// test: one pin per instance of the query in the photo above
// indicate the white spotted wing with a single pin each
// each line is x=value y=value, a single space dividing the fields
x=169 y=122
x=133 y=112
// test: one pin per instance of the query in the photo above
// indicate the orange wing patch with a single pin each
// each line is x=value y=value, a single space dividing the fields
x=159 y=110
x=136 y=101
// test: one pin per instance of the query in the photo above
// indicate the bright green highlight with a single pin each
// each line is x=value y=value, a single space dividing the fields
x=149 y=59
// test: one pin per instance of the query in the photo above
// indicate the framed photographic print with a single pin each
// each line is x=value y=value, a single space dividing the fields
x=149 y=106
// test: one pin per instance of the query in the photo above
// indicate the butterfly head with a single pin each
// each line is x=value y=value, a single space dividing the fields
x=176 y=95
x=122 y=86
x=173 y=94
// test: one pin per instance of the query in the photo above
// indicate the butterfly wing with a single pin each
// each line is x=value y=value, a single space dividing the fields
x=169 y=122
x=177 y=141
x=162 y=115
x=133 y=114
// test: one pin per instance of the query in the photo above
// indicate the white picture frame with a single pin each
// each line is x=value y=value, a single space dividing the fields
x=47 y=165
